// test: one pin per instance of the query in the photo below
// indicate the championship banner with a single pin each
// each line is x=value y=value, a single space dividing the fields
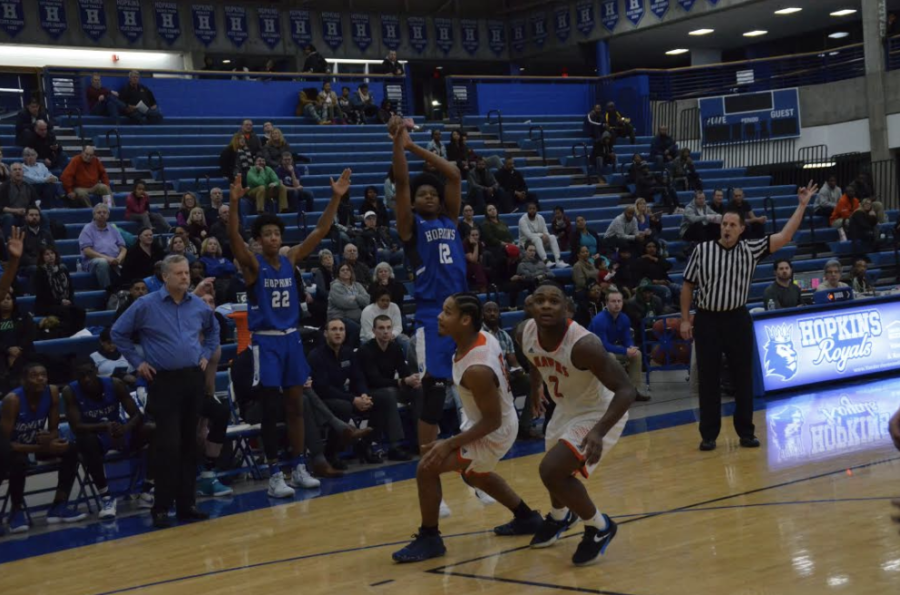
x=390 y=31
x=362 y=30
x=236 y=25
x=687 y=5
x=204 y=19
x=332 y=29
x=443 y=34
x=93 y=18
x=539 y=28
x=12 y=17
x=418 y=36
x=269 y=26
x=168 y=23
x=301 y=27
x=496 y=36
x=517 y=34
x=131 y=22
x=634 y=11
x=469 y=31
x=609 y=14
x=53 y=17
x=659 y=7
x=584 y=17
x=562 y=19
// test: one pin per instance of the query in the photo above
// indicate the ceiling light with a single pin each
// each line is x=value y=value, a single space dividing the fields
x=839 y=35
x=701 y=32
x=226 y=61
x=821 y=165
x=435 y=103
x=677 y=52
x=755 y=33
x=439 y=67
x=843 y=13
x=788 y=10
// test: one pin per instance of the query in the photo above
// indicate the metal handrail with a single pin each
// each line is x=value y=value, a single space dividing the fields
x=197 y=179
x=161 y=168
x=769 y=210
x=499 y=121
x=75 y=112
x=115 y=132
x=543 y=146
x=812 y=232
x=587 y=160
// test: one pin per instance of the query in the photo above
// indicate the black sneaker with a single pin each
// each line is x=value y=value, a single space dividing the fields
x=550 y=530
x=423 y=547
x=517 y=526
x=594 y=543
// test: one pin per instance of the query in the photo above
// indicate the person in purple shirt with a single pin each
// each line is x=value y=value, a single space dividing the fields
x=102 y=247
x=613 y=328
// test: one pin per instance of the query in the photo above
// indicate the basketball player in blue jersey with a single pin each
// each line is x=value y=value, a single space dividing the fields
x=30 y=422
x=14 y=251
x=279 y=364
x=94 y=408
x=427 y=212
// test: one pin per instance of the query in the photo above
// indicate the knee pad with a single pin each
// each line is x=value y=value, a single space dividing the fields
x=434 y=392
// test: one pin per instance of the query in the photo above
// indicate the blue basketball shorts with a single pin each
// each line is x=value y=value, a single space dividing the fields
x=279 y=361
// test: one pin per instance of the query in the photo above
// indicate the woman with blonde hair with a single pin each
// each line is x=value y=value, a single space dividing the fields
x=188 y=203
x=211 y=257
x=237 y=158
x=275 y=148
x=196 y=228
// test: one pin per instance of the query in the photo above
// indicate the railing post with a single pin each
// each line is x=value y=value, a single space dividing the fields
x=543 y=146
x=812 y=232
x=118 y=145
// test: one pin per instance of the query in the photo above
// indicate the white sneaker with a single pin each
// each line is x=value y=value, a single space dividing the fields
x=484 y=498
x=146 y=500
x=561 y=264
x=277 y=487
x=550 y=264
x=107 y=508
x=300 y=478
x=445 y=510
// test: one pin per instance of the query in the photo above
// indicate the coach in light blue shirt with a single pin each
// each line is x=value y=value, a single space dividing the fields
x=170 y=324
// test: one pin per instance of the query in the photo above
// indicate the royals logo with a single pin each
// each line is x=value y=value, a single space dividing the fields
x=781 y=357
x=840 y=338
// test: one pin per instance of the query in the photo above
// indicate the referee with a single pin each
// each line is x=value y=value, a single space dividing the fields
x=721 y=271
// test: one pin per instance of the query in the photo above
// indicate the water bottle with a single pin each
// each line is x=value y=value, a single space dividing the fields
x=78 y=266
x=770 y=305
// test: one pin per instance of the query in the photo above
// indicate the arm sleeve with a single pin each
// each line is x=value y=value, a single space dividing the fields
x=122 y=331
x=321 y=379
x=104 y=177
x=759 y=248
x=525 y=231
x=691 y=271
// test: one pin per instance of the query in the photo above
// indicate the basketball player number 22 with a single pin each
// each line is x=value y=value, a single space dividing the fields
x=554 y=381
x=281 y=299
x=445 y=254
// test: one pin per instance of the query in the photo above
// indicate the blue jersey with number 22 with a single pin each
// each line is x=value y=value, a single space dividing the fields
x=439 y=259
x=273 y=300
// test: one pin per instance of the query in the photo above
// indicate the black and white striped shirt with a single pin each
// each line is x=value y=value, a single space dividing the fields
x=723 y=276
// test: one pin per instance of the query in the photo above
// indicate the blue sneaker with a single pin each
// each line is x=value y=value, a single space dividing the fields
x=62 y=513
x=423 y=547
x=594 y=543
x=18 y=522
x=527 y=526
x=211 y=487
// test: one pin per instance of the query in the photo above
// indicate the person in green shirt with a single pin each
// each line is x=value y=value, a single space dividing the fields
x=264 y=184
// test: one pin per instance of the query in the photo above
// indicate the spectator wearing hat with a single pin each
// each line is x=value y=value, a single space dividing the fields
x=378 y=245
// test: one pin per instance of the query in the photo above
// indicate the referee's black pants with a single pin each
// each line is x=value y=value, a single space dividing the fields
x=174 y=401
x=731 y=333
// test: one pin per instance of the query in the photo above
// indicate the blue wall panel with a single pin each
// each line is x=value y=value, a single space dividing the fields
x=533 y=98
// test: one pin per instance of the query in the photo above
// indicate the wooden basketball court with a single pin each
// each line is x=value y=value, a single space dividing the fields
x=725 y=522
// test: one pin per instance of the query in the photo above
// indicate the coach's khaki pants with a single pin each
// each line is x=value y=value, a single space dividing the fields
x=634 y=366
x=84 y=194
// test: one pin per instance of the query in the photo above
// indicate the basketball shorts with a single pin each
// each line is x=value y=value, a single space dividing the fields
x=483 y=454
x=279 y=361
x=571 y=431
x=434 y=353
x=108 y=443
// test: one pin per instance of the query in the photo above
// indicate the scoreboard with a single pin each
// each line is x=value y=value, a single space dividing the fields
x=750 y=117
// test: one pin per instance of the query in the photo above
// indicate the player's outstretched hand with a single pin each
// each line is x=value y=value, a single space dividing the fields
x=894 y=429
x=341 y=187
x=237 y=188
x=398 y=131
x=807 y=193
x=14 y=245
x=592 y=445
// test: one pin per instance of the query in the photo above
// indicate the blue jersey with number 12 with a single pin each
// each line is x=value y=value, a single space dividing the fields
x=439 y=260
x=274 y=304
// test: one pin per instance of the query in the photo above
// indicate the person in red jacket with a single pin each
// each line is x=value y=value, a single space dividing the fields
x=103 y=101
x=85 y=176
x=846 y=206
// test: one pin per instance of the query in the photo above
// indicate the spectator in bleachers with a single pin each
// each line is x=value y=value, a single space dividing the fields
x=533 y=228
x=215 y=203
x=109 y=361
x=456 y=153
x=859 y=280
x=589 y=304
x=351 y=115
x=595 y=124
x=700 y=223
x=381 y=305
x=40 y=178
x=386 y=111
x=391 y=65
x=236 y=158
x=16 y=195
x=323 y=277
x=328 y=101
x=643 y=305
x=141 y=258
x=346 y=300
x=684 y=173
x=827 y=198
x=390 y=189
x=634 y=168
x=755 y=225
x=495 y=233
x=623 y=231
x=648 y=221
x=254 y=144
x=650 y=266
x=265 y=186
x=863 y=186
x=310 y=107
x=37 y=238
x=140 y=104
x=4 y=169
x=27 y=117
x=219 y=230
x=718 y=205
x=617 y=124
x=663 y=148
x=532 y=270
x=216 y=265
x=85 y=177
x=435 y=145
x=376 y=243
x=832 y=276
x=584 y=272
x=275 y=148
x=363 y=102
x=383 y=278
x=180 y=245
x=44 y=142
x=103 y=101
x=315 y=62
x=484 y=189
x=783 y=292
x=846 y=206
x=136 y=291
x=561 y=226
x=102 y=248
x=476 y=273
x=515 y=190
x=863 y=225
x=582 y=236
x=16 y=341
x=155 y=282
x=360 y=269
x=372 y=203
x=198 y=274
x=613 y=328
x=137 y=208
x=197 y=229
x=467 y=223
x=38 y=437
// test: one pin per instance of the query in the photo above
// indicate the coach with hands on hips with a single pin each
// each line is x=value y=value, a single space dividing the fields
x=721 y=271
x=169 y=323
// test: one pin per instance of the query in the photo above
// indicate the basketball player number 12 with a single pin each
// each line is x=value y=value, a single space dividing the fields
x=555 y=382
x=445 y=256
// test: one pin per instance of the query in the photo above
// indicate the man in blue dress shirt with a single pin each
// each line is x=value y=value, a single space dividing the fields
x=613 y=328
x=169 y=323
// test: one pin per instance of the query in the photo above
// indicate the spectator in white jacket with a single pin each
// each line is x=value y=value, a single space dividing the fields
x=382 y=305
x=827 y=198
x=623 y=232
x=533 y=229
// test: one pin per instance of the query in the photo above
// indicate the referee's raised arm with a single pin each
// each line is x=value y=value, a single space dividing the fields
x=783 y=238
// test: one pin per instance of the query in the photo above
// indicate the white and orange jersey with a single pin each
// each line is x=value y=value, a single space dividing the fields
x=485 y=352
x=574 y=391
